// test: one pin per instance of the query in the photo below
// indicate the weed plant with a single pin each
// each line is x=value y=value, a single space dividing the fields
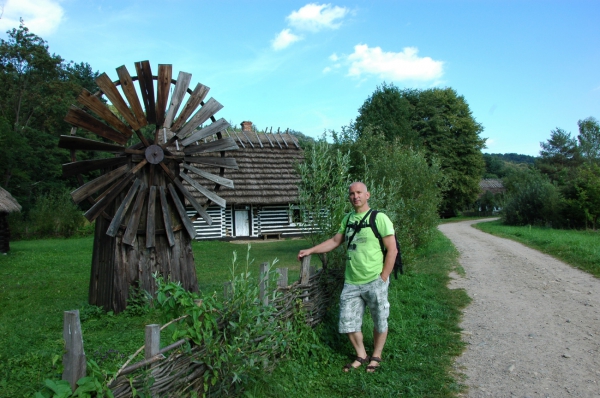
x=578 y=248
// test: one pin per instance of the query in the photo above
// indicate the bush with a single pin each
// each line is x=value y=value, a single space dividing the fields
x=532 y=200
x=52 y=215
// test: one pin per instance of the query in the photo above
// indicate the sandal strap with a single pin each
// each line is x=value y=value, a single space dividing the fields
x=363 y=360
x=376 y=359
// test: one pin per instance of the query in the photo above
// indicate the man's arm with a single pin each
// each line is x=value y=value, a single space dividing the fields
x=324 y=247
x=388 y=264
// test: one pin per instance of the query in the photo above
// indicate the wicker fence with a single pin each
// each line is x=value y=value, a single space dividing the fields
x=177 y=373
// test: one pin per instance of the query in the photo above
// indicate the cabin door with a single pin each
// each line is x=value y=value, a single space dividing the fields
x=242 y=223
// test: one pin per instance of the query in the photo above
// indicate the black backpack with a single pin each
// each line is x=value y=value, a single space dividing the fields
x=373 y=214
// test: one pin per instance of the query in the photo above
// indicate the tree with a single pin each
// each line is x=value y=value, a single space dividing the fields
x=587 y=185
x=589 y=139
x=559 y=156
x=387 y=110
x=36 y=89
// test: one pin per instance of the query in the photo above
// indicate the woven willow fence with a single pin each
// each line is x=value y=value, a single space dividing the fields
x=181 y=373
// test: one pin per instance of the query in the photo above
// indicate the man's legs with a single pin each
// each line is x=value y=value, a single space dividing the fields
x=356 y=338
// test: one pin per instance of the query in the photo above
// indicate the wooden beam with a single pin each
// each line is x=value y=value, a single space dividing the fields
x=150 y=218
x=84 y=166
x=146 y=83
x=129 y=90
x=94 y=104
x=209 y=176
x=111 y=92
x=224 y=144
x=134 y=219
x=192 y=103
x=80 y=118
x=84 y=144
x=166 y=216
x=210 y=195
x=165 y=72
x=187 y=223
x=113 y=228
x=183 y=82
x=203 y=114
x=86 y=190
x=227 y=163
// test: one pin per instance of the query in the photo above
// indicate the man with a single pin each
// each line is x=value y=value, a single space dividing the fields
x=366 y=278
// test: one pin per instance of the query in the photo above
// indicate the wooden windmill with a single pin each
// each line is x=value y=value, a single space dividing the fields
x=138 y=201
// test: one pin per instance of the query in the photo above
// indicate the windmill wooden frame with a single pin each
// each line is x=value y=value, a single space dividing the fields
x=138 y=201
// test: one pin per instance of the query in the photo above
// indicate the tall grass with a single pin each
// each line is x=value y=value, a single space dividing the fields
x=578 y=248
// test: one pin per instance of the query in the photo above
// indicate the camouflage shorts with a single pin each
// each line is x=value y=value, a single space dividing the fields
x=353 y=302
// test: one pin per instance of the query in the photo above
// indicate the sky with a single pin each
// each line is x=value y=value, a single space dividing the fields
x=524 y=67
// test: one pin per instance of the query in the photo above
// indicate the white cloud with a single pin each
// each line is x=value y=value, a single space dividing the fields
x=284 y=39
x=42 y=17
x=334 y=57
x=315 y=17
x=405 y=65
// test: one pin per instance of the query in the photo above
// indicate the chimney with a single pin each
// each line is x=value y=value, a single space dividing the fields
x=246 y=126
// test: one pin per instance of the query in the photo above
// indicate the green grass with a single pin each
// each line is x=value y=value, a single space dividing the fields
x=423 y=340
x=43 y=278
x=581 y=249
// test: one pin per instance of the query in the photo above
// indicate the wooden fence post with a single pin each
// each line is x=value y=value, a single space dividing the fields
x=152 y=340
x=263 y=286
x=282 y=281
x=74 y=359
x=305 y=270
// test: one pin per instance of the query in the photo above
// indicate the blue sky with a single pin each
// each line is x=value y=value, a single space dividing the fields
x=524 y=67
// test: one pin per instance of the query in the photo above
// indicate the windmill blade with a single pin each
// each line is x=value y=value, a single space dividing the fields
x=134 y=219
x=163 y=84
x=192 y=103
x=188 y=195
x=210 y=195
x=166 y=217
x=113 y=228
x=207 y=131
x=225 y=144
x=144 y=73
x=183 y=82
x=227 y=163
x=187 y=223
x=84 y=144
x=84 y=166
x=150 y=221
x=80 y=118
x=93 y=103
x=108 y=197
x=129 y=90
x=211 y=107
x=86 y=190
x=212 y=177
x=111 y=92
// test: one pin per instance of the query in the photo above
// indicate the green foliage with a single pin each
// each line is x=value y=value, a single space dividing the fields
x=241 y=335
x=589 y=139
x=438 y=121
x=587 y=186
x=54 y=214
x=36 y=90
x=323 y=191
x=90 y=386
x=559 y=156
x=531 y=199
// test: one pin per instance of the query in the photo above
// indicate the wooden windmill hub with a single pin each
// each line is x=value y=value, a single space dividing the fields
x=154 y=154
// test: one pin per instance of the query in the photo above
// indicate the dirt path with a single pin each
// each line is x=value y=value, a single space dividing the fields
x=533 y=327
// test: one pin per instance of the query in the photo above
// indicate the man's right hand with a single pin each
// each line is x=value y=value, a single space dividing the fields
x=303 y=253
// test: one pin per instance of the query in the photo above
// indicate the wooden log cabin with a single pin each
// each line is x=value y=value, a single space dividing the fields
x=8 y=204
x=263 y=201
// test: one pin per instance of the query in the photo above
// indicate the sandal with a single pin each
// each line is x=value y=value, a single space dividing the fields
x=348 y=366
x=373 y=368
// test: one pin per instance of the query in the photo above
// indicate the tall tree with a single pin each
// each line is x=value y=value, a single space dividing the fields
x=440 y=122
x=36 y=89
x=589 y=139
x=559 y=156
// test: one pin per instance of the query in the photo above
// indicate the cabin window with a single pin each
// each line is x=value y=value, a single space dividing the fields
x=295 y=215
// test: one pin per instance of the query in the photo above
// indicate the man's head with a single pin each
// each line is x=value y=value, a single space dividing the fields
x=359 y=196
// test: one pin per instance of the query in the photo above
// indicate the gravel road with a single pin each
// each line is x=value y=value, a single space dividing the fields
x=533 y=327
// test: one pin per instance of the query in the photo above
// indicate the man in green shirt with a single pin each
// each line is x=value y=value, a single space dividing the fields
x=366 y=277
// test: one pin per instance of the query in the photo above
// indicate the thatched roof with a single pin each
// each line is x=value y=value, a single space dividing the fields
x=266 y=173
x=493 y=185
x=8 y=204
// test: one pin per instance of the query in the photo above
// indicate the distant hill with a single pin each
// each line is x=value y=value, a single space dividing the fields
x=514 y=158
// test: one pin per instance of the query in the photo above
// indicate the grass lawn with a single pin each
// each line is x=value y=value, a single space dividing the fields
x=43 y=278
x=581 y=249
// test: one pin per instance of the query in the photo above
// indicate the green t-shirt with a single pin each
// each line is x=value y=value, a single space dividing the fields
x=365 y=259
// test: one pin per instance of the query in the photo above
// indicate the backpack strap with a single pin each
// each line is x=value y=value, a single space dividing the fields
x=357 y=228
x=376 y=231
